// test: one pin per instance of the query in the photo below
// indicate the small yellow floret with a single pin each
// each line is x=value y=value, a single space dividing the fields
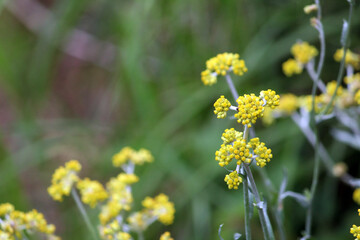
x=330 y=88
x=221 y=65
x=208 y=78
x=166 y=236
x=241 y=151
x=224 y=155
x=92 y=192
x=221 y=105
x=303 y=52
x=231 y=135
x=5 y=209
x=357 y=97
x=351 y=58
x=272 y=100
x=291 y=67
x=355 y=231
x=63 y=180
x=233 y=180
x=160 y=207
x=128 y=154
x=356 y=196
x=249 y=110
x=288 y=103
x=262 y=153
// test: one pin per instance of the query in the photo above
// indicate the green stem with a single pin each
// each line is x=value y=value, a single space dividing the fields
x=247 y=208
x=267 y=228
x=84 y=214
x=342 y=63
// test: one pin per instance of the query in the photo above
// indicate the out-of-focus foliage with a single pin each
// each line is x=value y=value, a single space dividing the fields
x=140 y=85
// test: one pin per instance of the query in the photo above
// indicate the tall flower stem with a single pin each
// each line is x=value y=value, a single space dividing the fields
x=84 y=214
x=264 y=219
x=267 y=228
x=247 y=208
x=232 y=87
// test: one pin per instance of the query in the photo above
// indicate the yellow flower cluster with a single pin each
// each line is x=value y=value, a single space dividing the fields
x=291 y=67
x=120 y=197
x=158 y=208
x=221 y=65
x=356 y=196
x=128 y=154
x=92 y=192
x=355 y=230
x=63 y=180
x=233 y=180
x=13 y=224
x=113 y=231
x=262 y=153
x=351 y=58
x=115 y=201
x=270 y=97
x=250 y=109
x=303 y=52
x=166 y=236
x=221 y=105
x=235 y=147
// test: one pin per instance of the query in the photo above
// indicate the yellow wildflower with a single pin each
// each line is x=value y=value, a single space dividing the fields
x=231 y=135
x=63 y=180
x=291 y=67
x=91 y=192
x=262 y=153
x=249 y=110
x=208 y=78
x=288 y=104
x=241 y=151
x=351 y=58
x=221 y=105
x=330 y=88
x=272 y=100
x=355 y=231
x=233 y=180
x=6 y=208
x=303 y=52
x=128 y=154
x=356 y=196
x=357 y=97
x=221 y=65
x=224 y=155
x=166 y=236
x=160 y=207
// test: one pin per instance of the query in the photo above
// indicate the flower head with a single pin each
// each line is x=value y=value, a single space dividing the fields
x=221 y=65
x=92 y=192
x=230 y=135
x=241 y=151
x=166 y=236
x=224 y=155
x=160 y=207
x=303 y=52
x=63 y=180
x=262 y=153
x=291 y=67
x=128 y=154
x=356 y=196
x=351 y=58
x=221 y=105
x=233 y=180
x=288 y=104
x=250 y=109
x=270 y=97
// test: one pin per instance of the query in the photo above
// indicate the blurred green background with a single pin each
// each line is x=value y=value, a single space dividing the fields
x=82 y=79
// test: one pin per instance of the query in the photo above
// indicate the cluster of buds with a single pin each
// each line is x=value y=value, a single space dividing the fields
x=117 y=221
